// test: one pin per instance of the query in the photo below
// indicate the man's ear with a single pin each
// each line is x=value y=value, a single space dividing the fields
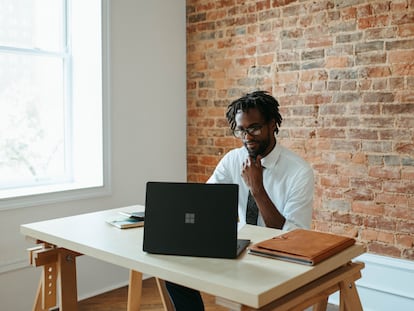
x=273 y=124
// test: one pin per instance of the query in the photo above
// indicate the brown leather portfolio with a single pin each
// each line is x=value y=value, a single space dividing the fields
x=302 y=246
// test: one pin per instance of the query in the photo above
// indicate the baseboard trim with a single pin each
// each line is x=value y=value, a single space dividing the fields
x=17 y=264
x=387 y=275
x=102 y=290
x=106 y=289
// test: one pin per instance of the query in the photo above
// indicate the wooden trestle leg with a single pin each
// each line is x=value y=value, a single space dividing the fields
x=59 y=271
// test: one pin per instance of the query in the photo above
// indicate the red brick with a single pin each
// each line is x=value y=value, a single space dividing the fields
x=317 y=99
x=359 y=158
x=197 y=169
x=359 y=194
x=208 y=160
x=314 y=75
x=322 y=215
x=373 y=22
x=400 y=212
x=405 y=226
x=346 y=218
x=397 y=199
x=381 y=8
x=399 y=187
x=377 y=236
x=364 y=10
x=402 y=69
x=384 y=223
x=407 y=173
x=405 y=240
x=228 y=142
x=362 y=134
x=344 y=229
x=331 y=132
x=386 y=237
x=334 y=181
x=398 y=6
x=408 y=254
x=369 y=208
x=376 y=72
x=400 y=56
x=406 y=30
x=325 y=168
x=369 y=235
x=349 y=13
x=287 y=77
x=320 y=226
x=385 y=172
x=384 y=249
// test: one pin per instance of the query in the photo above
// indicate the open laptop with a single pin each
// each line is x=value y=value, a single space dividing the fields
x=192 y=219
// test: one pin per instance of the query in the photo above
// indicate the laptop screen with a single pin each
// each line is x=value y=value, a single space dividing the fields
x=193 y=219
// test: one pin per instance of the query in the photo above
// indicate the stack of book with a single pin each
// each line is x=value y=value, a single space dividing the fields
x=127 y=220
x=302 y=246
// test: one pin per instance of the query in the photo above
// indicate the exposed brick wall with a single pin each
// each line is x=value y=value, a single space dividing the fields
x=343 y=72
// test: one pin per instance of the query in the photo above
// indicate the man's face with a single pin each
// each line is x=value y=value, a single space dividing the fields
x=256 y=144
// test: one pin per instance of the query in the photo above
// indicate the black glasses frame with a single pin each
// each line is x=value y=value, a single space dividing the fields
x=253 y=131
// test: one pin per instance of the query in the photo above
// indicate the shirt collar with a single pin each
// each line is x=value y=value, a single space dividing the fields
x=271 y=159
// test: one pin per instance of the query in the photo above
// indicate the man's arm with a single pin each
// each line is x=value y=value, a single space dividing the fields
x=298 y=209
x=297 y=212
x=252 y=173
x=271 y=215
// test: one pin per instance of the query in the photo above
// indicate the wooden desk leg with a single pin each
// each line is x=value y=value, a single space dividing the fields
x=46 y=257
x=315 y=293
x=134 y=291
x=59 y=266
x=165 y=297
x=68 y=285
x=349 y=298
x=231 y=305
x=38 y=299
x=41 y=302
x=321 y=305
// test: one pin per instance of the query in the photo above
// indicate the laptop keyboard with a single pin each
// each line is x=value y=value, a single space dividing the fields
x=242 y=244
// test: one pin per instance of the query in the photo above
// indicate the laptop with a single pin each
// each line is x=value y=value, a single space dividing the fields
x=192 y=219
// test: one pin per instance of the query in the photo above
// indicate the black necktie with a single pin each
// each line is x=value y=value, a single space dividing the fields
x=252 y=212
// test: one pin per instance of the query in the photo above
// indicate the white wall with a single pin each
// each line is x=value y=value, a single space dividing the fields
x=148 y=140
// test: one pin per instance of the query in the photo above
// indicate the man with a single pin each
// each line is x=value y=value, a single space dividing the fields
x=275 y=185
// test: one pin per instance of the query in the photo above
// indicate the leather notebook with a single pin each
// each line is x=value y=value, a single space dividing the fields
x=302 y=246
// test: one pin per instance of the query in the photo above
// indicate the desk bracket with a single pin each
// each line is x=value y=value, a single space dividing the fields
x=59 y=268
x=316 y=293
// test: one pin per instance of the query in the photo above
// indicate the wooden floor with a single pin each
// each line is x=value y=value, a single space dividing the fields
x=116 y=300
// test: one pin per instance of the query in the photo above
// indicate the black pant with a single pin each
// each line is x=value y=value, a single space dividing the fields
x=184 y=298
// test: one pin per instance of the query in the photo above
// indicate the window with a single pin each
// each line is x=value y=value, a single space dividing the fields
x=54 y=107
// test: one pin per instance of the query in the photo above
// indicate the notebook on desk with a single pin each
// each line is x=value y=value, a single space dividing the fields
x=192 y=219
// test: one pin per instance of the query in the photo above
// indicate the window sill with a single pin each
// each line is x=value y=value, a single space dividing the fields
x=61 y=193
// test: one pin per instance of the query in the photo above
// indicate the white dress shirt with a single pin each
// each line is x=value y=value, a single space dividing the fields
x=287 y=178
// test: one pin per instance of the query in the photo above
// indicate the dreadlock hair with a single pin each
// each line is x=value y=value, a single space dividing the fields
x=262 y=101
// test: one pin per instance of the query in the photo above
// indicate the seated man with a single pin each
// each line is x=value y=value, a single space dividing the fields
x=275 y=184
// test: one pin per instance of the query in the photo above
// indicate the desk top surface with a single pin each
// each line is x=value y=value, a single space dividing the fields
x=250 y=280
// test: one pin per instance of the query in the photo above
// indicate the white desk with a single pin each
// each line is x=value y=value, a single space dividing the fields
x=250 y=280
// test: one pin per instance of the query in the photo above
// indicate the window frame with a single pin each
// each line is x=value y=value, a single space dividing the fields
x=62 y=195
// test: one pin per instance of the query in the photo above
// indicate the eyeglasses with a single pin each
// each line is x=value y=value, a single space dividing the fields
x=253 y=131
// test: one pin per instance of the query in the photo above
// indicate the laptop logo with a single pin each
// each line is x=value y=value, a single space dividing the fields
x=189 y=218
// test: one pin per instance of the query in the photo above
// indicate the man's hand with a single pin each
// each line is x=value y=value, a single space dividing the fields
x=252 y=173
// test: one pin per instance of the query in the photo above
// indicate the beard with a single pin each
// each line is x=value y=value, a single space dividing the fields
x=261 y=147
x=260 y=150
